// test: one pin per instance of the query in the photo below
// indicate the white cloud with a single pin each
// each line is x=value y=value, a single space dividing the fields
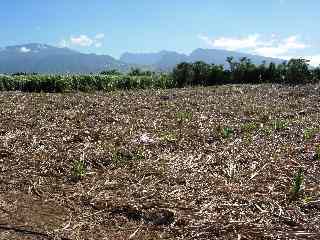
x=292 y=42
x=24 y=50
x=314 y=60
x=99 y=36
x=232 y=43
x=270 y=51
x=206 y=39
x=63 y=43
x=271 y=47
x=281 y=47
x=83 y=41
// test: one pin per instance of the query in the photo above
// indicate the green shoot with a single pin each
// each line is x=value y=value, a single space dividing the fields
x=297 y=183
x=279 y=125
x=183 y=117
x=249 y=127
x=226 y=132
x=78 y=169
x=309 y=133
x=317 y=153
x=168 y=137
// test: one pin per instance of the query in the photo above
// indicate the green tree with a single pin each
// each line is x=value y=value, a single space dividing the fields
x=217 y=75
x=281 y=72
x=298 y=71
x=182 y=74
x=200 y=73
x=272 y=73
x=316 y=74
x=135 y=72
x=110 y=72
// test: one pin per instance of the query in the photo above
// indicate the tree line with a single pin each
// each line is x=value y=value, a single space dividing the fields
x=242 y=71
x=295 y=71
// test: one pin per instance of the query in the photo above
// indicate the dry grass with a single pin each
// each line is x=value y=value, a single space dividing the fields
x=149 y=175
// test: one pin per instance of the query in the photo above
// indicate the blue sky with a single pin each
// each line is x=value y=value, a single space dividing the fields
x=277 y=28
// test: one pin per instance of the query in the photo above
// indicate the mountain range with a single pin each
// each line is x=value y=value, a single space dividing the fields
x=166 y=60
x=43 y=58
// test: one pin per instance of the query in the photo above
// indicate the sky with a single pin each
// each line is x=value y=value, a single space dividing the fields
x=273 y=28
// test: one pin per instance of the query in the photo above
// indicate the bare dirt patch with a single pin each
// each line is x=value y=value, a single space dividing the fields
x=200 y=163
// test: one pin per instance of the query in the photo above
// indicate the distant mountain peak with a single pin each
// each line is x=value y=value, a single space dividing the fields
x=33 y=48
x=167 y=60
x=43 y=58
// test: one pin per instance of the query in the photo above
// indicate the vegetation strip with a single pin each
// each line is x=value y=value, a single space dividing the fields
x=296 y=71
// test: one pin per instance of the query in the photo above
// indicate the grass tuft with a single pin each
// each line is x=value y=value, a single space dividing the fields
x=309 y=133
x=297 y=183
x=279 y=125
x=249 y=127
x=317 y=152
x=226 y=132
x=78 y=169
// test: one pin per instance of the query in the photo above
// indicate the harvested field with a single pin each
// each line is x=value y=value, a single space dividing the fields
x=194 y=163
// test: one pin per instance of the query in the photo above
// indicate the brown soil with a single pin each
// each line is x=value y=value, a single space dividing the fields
x=150 y=175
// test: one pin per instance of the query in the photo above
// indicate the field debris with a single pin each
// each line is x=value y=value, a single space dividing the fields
x=191 y=163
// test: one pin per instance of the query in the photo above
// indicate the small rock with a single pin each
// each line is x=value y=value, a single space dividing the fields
x=144 y=138
x=164 y=98
x=181 y=222
x=159 y=217
x=312 y=205
x=99 y=205
x=5 y=153
x=212 y=139
x=131 y=212
x=180 y=180
x=167 y=97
